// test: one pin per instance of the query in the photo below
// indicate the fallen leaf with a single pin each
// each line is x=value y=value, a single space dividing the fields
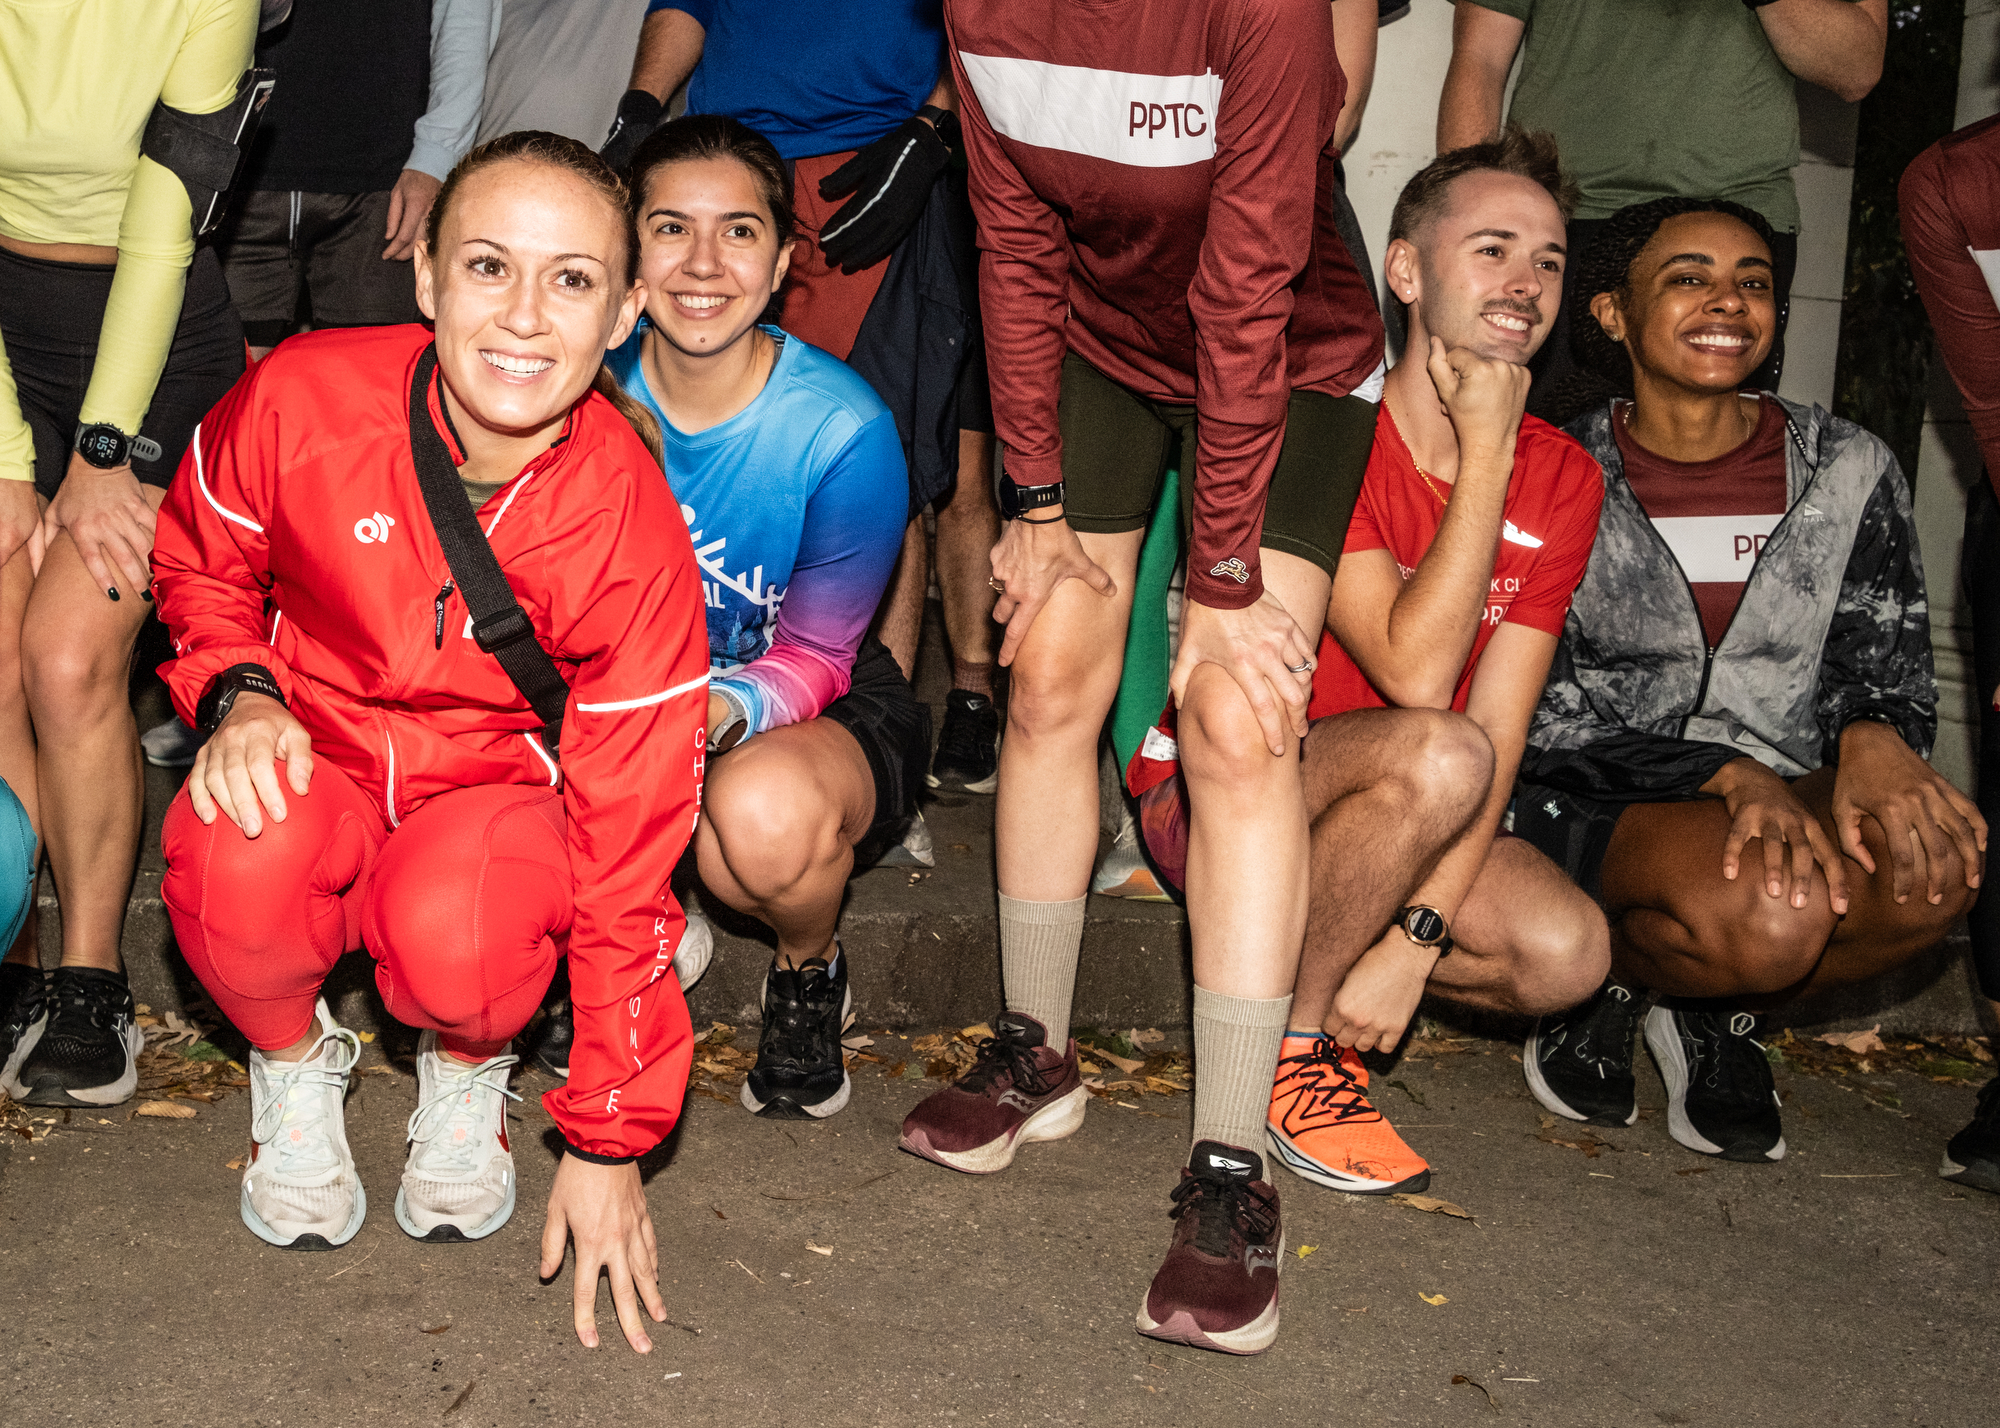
x=378 y=1070
x=1475 y=1383
x=236 y=1164
x=443 y=1328
x=748 y=1270
x=1859 y=1042
x=980 y=1031
x=1151 y=1036
x=718 y=1214
x=459 y=1402
x=895 y=1071
x=1123 y=1063
x=1432 y=1299
x=368 y=1036
x=819 y=1249
x=928 y=1045
x=1087 y=1068
x=857 y=1042
x=1305 y=1250
x=166 y=1110
x=1160 y=1086
x=1432 y=1206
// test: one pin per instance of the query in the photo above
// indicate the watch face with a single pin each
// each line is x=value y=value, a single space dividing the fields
x=99 y=445
x=1424 y=925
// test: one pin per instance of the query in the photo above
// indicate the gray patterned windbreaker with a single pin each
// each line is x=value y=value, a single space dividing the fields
x=1833 y=626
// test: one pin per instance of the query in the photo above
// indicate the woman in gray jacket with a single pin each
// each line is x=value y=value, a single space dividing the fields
x=1730 y=751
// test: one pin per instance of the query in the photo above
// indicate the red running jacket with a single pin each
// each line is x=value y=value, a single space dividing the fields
x=295 y=537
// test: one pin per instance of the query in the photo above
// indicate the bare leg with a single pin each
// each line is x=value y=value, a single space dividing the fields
x=1680 y=927
x=899 y=620
x=1527 y=939
x=1064 y=678
x=1387 y=792
x=1248 y=866
x=76 y=652
x=780 y=817
x=968 y=527
x=17 y=734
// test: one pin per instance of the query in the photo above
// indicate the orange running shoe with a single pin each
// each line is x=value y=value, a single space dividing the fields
x=1324 y=1128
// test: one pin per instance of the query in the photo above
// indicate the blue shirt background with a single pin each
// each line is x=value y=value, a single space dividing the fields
x=815 y=76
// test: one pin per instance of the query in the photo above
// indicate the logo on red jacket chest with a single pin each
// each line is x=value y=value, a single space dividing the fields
x=373 y=530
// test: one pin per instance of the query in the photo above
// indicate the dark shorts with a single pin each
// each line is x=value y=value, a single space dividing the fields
x=50 y=316
x=1573 y=833
x=1117 y=446
x=881 y=711
x=296 y=258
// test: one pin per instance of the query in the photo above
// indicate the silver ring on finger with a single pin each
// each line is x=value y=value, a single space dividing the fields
x=1306 y=668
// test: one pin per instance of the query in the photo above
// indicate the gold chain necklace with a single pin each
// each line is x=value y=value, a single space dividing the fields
x=1422 y=475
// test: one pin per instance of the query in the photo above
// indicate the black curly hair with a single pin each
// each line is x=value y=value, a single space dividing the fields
x=1603 y=368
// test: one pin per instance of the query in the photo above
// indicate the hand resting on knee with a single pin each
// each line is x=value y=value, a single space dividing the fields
x=236 y=770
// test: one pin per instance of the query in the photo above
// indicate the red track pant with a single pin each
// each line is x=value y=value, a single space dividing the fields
x=465 y=907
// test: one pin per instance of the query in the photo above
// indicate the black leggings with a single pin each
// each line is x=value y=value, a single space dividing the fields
x=1982 y=592
x=50 y=315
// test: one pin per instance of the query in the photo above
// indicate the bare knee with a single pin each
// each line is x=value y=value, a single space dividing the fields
x=1450 y=763
x=1765 y=944
x=771 y=830
x=67 y=676
x=1221 y=741
x=1051 y=696
x=1562 y=961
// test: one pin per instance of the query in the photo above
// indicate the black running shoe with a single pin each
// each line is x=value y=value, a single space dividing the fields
x=1720 y=1096
x=1579 y=1064
x=89 y=1050
x=1973 y=1155
x=548 y=1041
x=968 y=751
x=800 y=1072
x=23 y=1015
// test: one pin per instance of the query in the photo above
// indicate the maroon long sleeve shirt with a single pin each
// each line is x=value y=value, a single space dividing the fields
x=1950 y=207
x=1153 y=181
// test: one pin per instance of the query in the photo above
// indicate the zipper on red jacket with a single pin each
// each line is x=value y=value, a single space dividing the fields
x=443 y=595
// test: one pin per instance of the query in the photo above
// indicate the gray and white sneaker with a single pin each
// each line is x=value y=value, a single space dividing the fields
x=915 y=851
x=300 y=1189
x=171 y=745
x=458 y=1183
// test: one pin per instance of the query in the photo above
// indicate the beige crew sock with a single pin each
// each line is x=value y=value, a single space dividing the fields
x=1235 y=1056
x=1039 y=942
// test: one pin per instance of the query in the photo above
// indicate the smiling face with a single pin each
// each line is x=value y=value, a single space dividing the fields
x=1486 y=272
x=1699 y=311
x=527 y=288
x=708 y=253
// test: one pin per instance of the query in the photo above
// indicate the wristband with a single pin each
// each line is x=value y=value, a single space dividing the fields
x=220 y=696
x=1044 y=521
x=942 y=120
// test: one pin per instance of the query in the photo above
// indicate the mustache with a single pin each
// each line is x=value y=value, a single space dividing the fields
x=1529 y=310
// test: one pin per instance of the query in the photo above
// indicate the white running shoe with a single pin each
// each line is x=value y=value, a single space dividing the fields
x=300 y=1189
x=459 y=1181
x=696 y=951
x=171 y=745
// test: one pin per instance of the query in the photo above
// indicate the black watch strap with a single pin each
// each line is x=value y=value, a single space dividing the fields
x=220 y=696
x=1426 y=927
x=942 y=120
x=1017 y=500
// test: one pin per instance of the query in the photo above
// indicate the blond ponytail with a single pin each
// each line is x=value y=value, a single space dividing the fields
x=634 y=413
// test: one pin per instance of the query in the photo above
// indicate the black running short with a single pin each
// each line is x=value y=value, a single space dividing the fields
x=1573 y=833
x=883 y=714
x=1116 y=446
x=297 y=258
x=50 y=317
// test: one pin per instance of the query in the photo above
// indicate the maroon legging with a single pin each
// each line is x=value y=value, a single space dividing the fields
x=465 y=907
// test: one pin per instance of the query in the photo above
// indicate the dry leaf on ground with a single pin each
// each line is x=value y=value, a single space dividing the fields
x=819 y=1249
x=1123 y=1063
x=1432 y=1299
x=166 y=1110
x=857 y=1042
x=1859 y=1042
x=1150 y=1037
x=1432 y=1206
x=977 y=1032
x=1305 y=1250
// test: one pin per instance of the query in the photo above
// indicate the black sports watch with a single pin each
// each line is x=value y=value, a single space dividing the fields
x=1017 y=500
x=105 y=446
x=1426 y=927
x=942 y=120
x=220 y=696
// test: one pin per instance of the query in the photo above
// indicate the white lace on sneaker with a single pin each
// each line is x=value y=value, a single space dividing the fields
x=300 y=1190
x=458 y=1183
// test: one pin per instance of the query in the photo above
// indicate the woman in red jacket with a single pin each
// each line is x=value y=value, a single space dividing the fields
x=380 y=779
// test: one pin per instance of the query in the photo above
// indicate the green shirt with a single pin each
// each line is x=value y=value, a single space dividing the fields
x=1651 y=98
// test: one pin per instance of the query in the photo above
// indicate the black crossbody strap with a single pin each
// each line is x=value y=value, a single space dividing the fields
x=499 y=623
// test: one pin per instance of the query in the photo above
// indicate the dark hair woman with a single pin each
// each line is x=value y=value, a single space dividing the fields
x=380 y=778
x=1730 y=750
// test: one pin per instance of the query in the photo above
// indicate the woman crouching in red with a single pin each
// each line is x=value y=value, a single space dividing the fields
x=381 y=779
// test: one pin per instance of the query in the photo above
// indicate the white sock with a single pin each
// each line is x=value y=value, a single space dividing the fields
x=1039 y=944
x=1236 y=1043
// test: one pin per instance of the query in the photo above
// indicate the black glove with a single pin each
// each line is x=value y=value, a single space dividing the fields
x=891 y=181
x=639 y=113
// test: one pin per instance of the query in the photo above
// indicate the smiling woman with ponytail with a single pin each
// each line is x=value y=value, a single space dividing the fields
x=374 y=775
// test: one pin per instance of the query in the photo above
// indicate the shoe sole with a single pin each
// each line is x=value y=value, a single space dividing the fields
x=174 y=763
x=446 y=1233
x=784 y=1107
x=1305 y=1167
x=1671 y=1058
x=1180 y=1328
x=111 y=1093
x=1531 y=1064
x=30 y=1039
x=1980 y=1175
x=308 y=1241
x=1055 y=1121
x=1138 y=887
x=953 y=782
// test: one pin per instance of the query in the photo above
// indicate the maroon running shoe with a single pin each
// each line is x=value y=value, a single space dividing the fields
x=1219 y=1286
x=1019 y=1089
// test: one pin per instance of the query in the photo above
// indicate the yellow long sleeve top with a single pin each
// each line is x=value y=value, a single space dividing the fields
x=78 y=79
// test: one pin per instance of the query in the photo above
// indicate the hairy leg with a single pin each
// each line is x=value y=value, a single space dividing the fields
x=968 y=527
x=1680 y=927
x=1248 y=868
x=899 y=619
x=1063 y=680
x=1387 y=791
x=781 y=814
x=76 y=653
x=1527 y=939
